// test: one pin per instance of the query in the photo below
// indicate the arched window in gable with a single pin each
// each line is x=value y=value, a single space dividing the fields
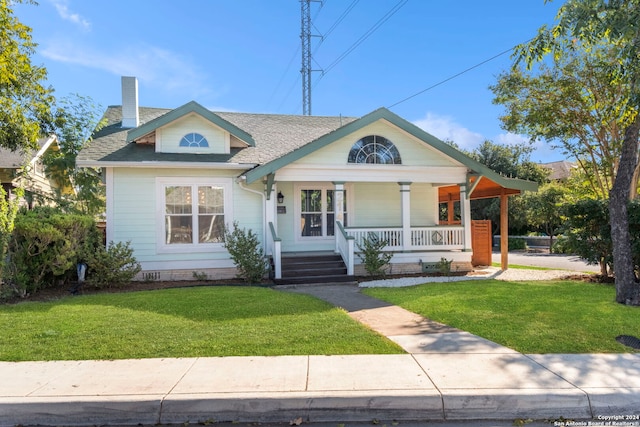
x=374 y=149
x=194 y=140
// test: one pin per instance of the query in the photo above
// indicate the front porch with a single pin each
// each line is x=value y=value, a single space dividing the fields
x=414 y=249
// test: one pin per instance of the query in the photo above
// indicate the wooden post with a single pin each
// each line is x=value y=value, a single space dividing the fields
x=450 y=211
x=504 y=231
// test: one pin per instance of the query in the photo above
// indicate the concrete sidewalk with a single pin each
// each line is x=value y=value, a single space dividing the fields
x=447 y=375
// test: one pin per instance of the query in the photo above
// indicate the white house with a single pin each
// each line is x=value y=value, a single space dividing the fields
x=304 y=184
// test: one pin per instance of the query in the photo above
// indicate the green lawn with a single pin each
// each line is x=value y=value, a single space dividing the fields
x=187 y=322
x=531 y=317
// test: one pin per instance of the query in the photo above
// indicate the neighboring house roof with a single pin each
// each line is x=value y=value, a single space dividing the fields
x=559 y=170
x=16 y=159
x=278 y=140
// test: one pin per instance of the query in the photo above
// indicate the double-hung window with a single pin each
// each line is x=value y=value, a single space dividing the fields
x=193 y=213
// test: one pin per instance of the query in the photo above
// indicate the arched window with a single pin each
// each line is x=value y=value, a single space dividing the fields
x=194 y=140
x=374 y=149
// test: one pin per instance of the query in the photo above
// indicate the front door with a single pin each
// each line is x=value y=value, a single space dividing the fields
x=315 y=209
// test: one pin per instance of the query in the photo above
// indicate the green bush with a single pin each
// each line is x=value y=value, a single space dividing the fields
x=45 y=248
x=372 y=255
x=516 y=244
x=245 y=250
x=112 y=266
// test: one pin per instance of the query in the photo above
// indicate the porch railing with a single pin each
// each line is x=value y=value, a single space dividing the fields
x=276 y=243
x=422 y=238
x=345 y=247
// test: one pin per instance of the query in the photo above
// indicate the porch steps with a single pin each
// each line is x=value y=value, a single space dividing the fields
x=317 y=268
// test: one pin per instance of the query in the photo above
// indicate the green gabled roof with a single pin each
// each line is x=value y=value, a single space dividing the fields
x=190 y=107
x=384 y=114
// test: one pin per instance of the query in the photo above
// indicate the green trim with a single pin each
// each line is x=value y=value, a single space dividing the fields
x=410 y=128
x=190 y=107
x=271 y=178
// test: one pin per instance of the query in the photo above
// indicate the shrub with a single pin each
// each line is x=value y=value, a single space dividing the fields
x=112 y=266
x=45 y=247
x=516 y=243
x=372 y=255
x=245 y=250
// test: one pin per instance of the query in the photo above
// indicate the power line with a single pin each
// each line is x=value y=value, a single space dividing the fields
x=365 y=36
x=455 y=75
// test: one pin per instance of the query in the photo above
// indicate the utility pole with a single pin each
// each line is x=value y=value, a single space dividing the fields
x=305 y=38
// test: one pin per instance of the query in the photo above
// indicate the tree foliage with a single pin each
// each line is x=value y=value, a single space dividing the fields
x=583 y=27
x=571 y=106
x=544 y=209
x=511 y=160
x=25 y=102
x=77 y=117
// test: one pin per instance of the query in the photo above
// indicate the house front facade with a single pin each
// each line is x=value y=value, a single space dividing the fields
x=303 y=184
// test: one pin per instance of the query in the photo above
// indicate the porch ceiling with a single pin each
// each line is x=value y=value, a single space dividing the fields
x=485 y=189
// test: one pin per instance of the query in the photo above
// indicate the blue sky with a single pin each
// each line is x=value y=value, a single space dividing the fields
x=244 y=55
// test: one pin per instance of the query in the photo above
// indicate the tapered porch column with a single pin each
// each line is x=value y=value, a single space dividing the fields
x=405 y=192
x=338 y=203
x=465 y=216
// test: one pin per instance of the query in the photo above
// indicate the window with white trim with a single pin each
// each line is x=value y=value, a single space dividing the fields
x=194 y=140
x=193 y=213
x=374 y=149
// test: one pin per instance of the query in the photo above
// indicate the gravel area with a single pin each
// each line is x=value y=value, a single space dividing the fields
x=480 y=274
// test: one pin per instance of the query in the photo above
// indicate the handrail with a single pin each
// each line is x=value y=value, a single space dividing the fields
x=277 y=252
x=345 y=246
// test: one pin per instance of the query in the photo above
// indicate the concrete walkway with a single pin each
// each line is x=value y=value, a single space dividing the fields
x=447 y=375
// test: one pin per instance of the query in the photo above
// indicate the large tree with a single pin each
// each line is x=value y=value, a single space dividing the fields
x=582 y=26
x=25 y=102
x=569 y=103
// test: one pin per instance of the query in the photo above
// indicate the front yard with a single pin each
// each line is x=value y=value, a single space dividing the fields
x=530 y=317
x=182 y=322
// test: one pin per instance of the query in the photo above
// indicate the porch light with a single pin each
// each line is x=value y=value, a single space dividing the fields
x=280 y=197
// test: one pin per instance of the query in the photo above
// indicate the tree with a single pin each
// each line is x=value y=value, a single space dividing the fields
x=584 y=26
x=544 y=209
x=25 y=103
x=77 y=117
x=512 y=160
x=570 y=105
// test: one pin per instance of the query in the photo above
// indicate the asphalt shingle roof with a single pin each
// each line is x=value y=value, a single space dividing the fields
x=275 y=135
x=16 y=159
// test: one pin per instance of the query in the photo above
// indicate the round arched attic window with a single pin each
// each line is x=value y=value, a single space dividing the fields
x=193 y=140
x=374 y=149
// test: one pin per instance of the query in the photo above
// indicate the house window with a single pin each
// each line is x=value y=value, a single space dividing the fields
x=374 y=149
x=194 y=140
x=193 y=213
x=317 y=216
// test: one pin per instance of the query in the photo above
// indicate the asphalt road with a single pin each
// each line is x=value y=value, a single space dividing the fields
x=561 y=262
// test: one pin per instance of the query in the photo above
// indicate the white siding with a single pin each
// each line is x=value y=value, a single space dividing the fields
x=135 y=217
x=413 y=152
x=168 y=137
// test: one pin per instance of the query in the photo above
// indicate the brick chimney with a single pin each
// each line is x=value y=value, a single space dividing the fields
x=130 y=115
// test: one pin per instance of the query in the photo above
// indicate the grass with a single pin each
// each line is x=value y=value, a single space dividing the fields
x=187 y=322
x=530 y=317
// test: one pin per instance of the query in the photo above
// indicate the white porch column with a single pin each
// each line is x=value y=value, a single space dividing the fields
x=405 y=193
x=270 y=216
x=465 y=216
x=338 y=203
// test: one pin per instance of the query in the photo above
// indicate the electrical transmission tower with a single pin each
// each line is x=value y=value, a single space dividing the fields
x=305 y=38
